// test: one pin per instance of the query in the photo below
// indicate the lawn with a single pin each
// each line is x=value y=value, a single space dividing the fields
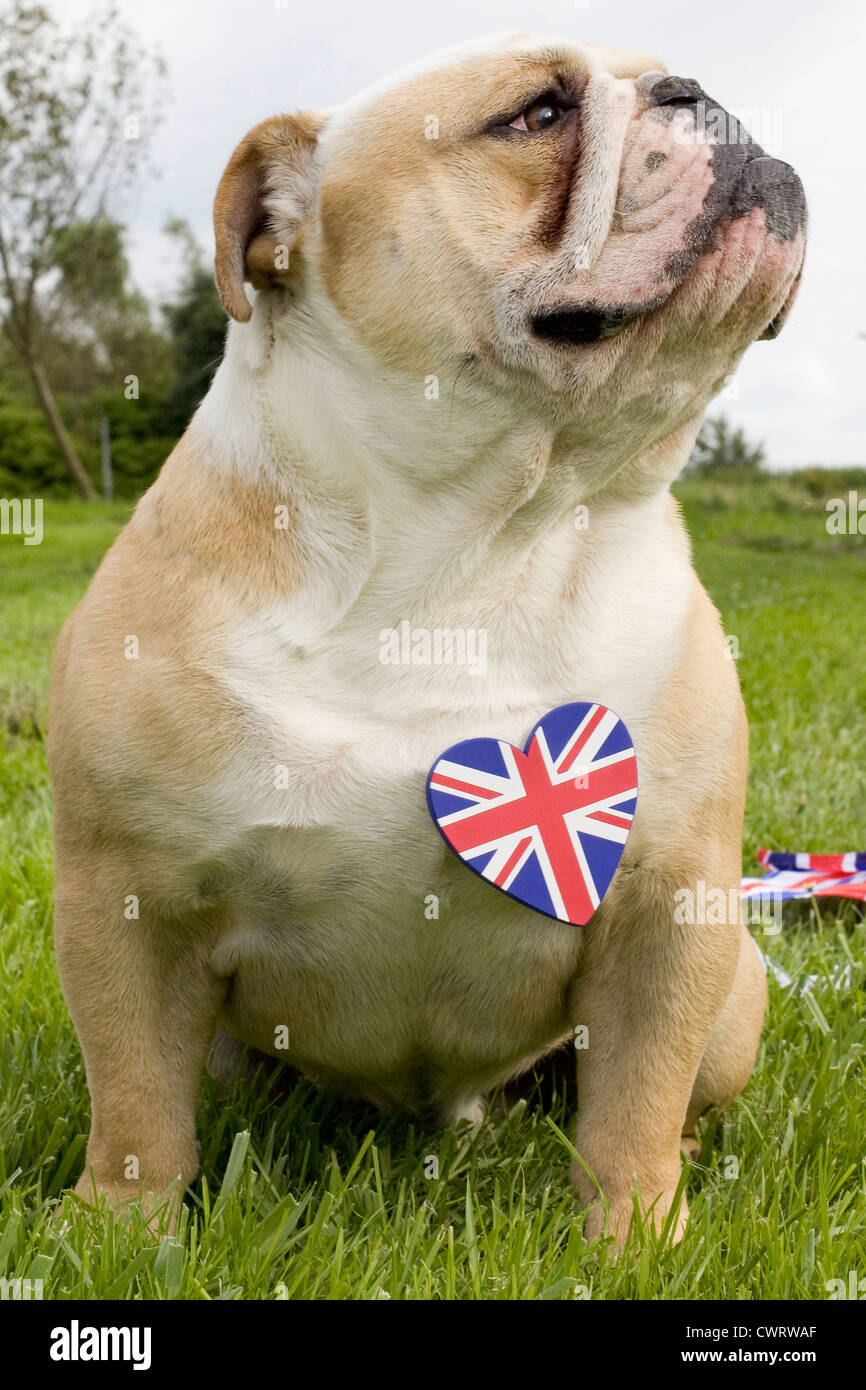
x=308 y=1197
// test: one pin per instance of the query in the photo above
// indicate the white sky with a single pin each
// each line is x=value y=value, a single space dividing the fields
x=233 y=62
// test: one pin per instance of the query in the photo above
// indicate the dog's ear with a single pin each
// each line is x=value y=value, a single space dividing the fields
x=262 y=199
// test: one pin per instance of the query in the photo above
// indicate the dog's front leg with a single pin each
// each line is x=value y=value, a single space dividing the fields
x=647 y=997
x=144 y=1003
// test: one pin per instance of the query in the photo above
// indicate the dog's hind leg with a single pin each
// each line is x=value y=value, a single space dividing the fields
x=733 y=1044
x=229 y=1060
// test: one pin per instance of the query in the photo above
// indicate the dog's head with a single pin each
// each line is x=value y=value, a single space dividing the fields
x=592 y=233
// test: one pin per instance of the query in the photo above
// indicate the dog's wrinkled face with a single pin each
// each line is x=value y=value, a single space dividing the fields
x=581 y=227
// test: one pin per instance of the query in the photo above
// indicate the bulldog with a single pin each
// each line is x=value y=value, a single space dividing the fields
x=490 y=299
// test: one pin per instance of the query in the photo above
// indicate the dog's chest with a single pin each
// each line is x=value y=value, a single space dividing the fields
x=355 y=935
x=392 y=968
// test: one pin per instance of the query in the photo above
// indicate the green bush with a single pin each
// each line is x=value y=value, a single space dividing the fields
x=141 y=436
x=136 y=462
x=822 y=483
x=30 y=461
x=31 y=464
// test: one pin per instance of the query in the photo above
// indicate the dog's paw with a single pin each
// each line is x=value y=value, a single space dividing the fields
x=159 y=1209
x=615 y=1220
x=614 y=1217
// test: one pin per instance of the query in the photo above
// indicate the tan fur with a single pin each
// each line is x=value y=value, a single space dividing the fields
x=261 y=903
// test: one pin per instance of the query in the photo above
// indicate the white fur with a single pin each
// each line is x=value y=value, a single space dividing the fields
x=348 y=842
x=455 y=513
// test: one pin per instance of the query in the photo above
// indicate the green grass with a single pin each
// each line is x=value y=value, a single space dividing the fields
x=308 y=1197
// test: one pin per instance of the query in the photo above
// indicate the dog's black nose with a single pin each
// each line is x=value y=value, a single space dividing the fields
x=676 y=91
x=744 y=176
x=774 y=186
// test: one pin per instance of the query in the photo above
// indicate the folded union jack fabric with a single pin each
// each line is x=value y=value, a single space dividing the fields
x=791 y=876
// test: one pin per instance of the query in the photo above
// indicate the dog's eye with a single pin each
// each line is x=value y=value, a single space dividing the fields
x=540 y=116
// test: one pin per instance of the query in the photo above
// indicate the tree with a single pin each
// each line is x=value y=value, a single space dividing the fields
x=74 y=119
x=196 y=322
x=101 y=327
x=718 y=446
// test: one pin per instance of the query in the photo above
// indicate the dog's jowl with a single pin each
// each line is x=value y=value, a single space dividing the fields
x=554 y=235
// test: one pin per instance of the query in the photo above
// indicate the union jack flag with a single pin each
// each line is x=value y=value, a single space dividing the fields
x=791 y=876
x=547 y=825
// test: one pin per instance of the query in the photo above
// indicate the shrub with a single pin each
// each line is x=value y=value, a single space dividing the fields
x=719 y=446
x=30 y=461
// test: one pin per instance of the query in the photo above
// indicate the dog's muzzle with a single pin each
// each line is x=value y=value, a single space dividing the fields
x=744 y=177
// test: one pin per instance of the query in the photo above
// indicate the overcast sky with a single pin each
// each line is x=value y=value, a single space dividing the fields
x=799 y=65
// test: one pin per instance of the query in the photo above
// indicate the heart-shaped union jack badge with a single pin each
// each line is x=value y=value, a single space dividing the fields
x=547 y=825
